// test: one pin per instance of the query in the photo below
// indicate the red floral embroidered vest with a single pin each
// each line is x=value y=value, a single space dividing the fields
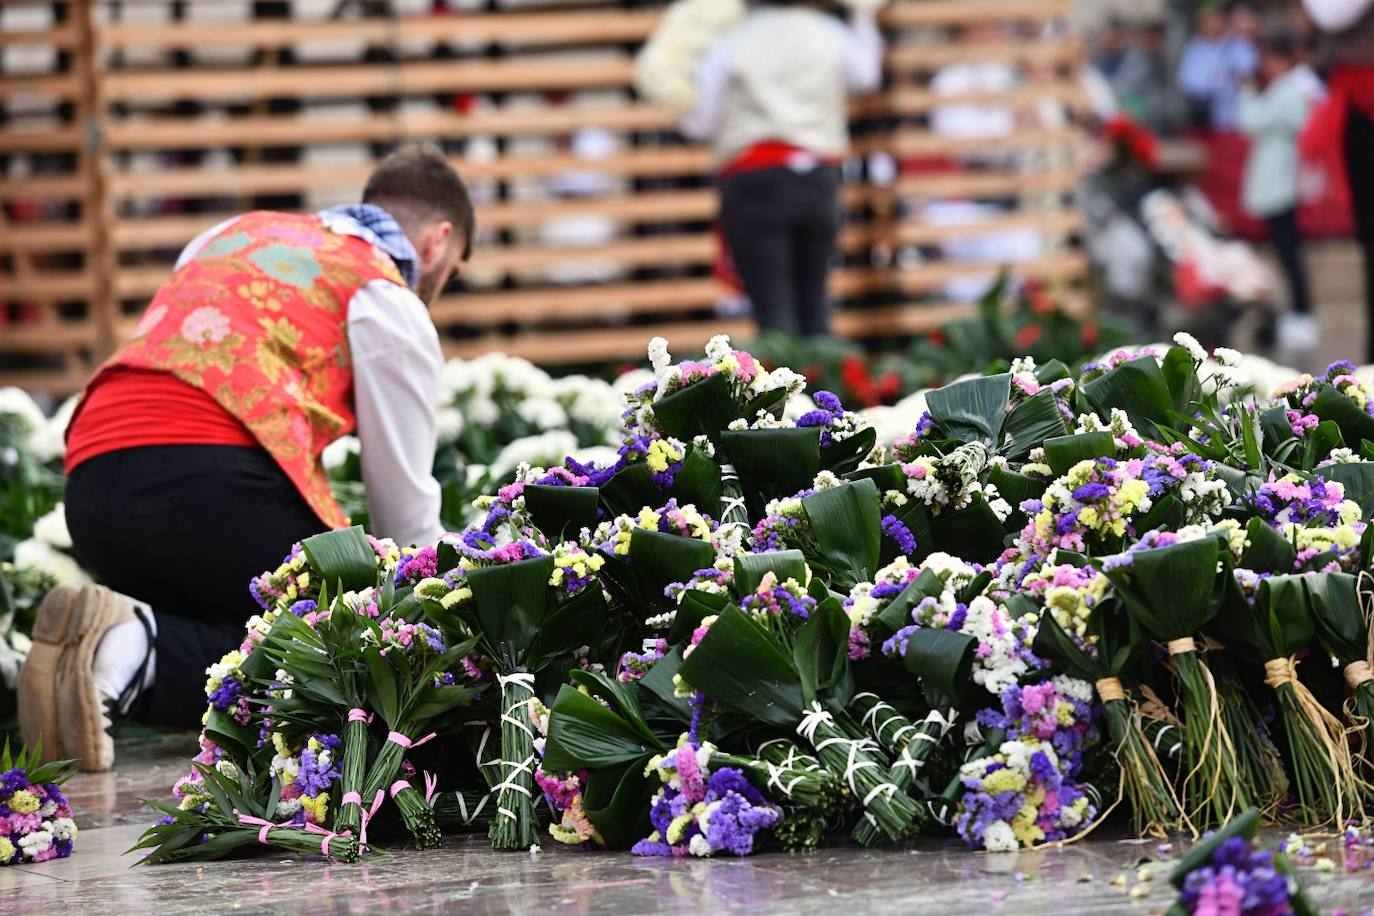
x=259 y=321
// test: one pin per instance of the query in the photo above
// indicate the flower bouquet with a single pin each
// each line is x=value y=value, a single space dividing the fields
x=528 y=614
x=36 y=824
x=1227 y=872
x=1341 y=612
x=1172 y=592
x=1083 y=631
x=785 y=673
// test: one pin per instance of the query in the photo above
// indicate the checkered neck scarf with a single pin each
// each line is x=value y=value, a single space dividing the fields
x=381 y=229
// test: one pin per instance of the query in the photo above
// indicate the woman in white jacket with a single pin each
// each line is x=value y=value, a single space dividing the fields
x=772 y=97
x=1272 y=118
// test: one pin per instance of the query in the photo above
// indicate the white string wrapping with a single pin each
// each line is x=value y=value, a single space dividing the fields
x=870 y=720
x=515 y=769
x=463 y=813
x=1159 y=737
x=904 y=759
x=775 y=774
x=729 y=503
x=812 y=720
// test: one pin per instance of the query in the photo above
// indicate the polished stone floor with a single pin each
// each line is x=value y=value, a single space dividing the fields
x=1099 y=875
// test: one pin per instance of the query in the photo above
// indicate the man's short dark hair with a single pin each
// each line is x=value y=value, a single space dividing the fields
x=417 y=185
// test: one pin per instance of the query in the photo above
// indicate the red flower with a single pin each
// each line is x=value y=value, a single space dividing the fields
x=1027 y=336
x=1090 y=334
x=937 y=338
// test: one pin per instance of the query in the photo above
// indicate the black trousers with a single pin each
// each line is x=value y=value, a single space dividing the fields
x=1359 y=153
x=184 y=528
x=780 y=227
x=1287 y=239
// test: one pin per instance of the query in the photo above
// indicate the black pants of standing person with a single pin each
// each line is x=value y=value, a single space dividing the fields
x=780 y=227
x=184 y=528
x=1287 y=239
x=1359 y=154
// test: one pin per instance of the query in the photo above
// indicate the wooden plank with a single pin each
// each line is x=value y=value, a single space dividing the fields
x=47 y=337
x=56 y=85
x=929 y=57
x=984 y=185
x=913 y=101
x=57 y=286
x=45 y=237
x=42 y=187
x=515 y=29
x=916 y=318
x=41 y=140
x=267 y=179
x=918 y=142
x=361 y=80
x=539 y=305
x=963 y=12
x=63 y=36
x=1054 y=266
x=56 y=382
x=183 y=133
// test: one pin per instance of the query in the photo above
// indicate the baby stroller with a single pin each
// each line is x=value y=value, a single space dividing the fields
x=1156 y=253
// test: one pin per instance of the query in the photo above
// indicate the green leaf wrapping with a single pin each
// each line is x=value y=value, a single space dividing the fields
x=739 y=664
x=1173 y=591
x=1063 y=452
x=585 y=735
x=971 y=410
x=343 y=558
x=703 y=408
x=1139 y=388
x=750 y=568
x=561 y=512
x=845 y=522
x=1030 y=423
x=1354 y=423
x=773 y=463
x=511 y=602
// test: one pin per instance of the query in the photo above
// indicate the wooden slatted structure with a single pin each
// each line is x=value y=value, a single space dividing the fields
x=595 y=216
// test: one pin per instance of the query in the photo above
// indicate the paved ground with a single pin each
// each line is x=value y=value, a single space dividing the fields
x=932 y=876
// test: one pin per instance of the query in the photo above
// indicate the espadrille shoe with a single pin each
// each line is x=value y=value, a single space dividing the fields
x=38 y=693
x=82 y=717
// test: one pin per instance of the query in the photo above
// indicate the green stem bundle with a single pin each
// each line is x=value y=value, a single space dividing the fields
x=415 y=811
x=1211 y=788
x=816 y=790
x=909 y=744
x=860 y=764
x=1154 y=805
x=515 y=826
x=352 y=774
x=1324 y=779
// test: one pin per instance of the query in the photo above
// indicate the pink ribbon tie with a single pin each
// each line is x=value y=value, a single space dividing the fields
x=368 y=815
x=351 y=798
x=360 y=715
x=326 y=835
x=403 y=741
x=398 y=787
x=431 y=784
x=266 y=825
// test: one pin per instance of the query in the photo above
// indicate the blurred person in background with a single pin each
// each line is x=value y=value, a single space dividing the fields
x=1345 y=122
x=1216 y=61
x=193 y=459
x=772 y=96
x=1140 y=81
x=1272 y=115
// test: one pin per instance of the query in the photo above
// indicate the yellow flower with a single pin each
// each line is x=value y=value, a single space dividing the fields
x=317 y=807
x=6 y=849
x=1088 y=517
x=677 y=825
x=24 y=802
x=1004 y=780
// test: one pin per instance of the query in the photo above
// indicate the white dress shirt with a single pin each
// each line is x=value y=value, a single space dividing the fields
x=397 y=362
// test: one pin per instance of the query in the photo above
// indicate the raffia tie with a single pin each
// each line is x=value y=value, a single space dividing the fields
x=1357 y=673
x=1179 y=646
x=1109 y=688
x=1279 y=671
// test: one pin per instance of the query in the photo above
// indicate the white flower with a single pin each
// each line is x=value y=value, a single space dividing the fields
x=542 y=413
x=51 y=529
x=35 y=843
x=49 y=442
x=35 y=554
x=699 y=846
x=16 y=402
x=206 y=324
x=338 y=451
x=12 y=655
x=658 y=356
x=998 y=837
x=718 y=347
x=448 y=424
x=1227 y=357
x=1189 y=342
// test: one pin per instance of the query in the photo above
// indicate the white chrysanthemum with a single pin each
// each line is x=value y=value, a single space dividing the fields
x=337 y=452
x=1190 y=343
x=35 y=554
x=1227 y=357
x=16 y=402
x=448 y=424
x=51 y=529
x=49 y=442
x=542 y=413
x=658 y=356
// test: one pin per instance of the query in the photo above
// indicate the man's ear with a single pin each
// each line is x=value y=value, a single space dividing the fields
x=434 y=241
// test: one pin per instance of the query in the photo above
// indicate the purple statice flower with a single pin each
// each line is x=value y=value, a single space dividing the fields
x=900 y=534
x=422 y=564
x=634 y=666
x=313 y=778
x=228 y=693
x=829 y=414
x=1239 y=879
x=303 y=607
